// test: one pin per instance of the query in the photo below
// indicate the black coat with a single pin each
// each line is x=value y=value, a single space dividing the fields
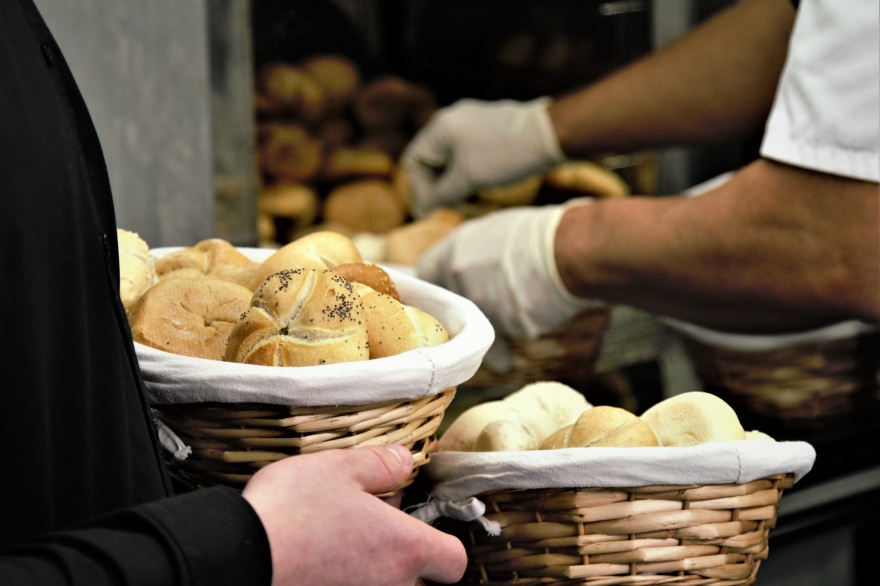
x=77 y=440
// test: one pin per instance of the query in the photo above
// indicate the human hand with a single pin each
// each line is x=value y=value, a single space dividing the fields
x=505 y=263
x=325 y=526
x=474 y=144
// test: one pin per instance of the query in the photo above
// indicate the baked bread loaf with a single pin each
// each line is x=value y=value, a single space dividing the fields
x=192 y=317
x=367 y=205
x=213 y=257
x=137 y=269
x=394 y=327
x=520 y=421
x=368 y=274
x=693 y=418
x=324 y=249
x=300 y=317
x=603 y=426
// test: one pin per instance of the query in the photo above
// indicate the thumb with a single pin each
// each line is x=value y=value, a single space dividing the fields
x=380 y=469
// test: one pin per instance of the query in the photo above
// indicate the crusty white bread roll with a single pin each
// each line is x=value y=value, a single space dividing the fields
x=693 y=418
x=406 y=244
x=192 y=317
x=368 y=274
x=137 y=268
x=603 y=426
x=520 y=421
x=394 y=327
x=754 y=435
x=323 y=249
x=367 y=205
x=213 y=257
x=300 y=317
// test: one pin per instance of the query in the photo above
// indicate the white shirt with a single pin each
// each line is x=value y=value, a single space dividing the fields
x=826 y=115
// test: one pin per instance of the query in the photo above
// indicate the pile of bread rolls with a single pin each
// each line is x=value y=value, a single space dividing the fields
x=311 y=302
x=328 y=147
x=550 y=415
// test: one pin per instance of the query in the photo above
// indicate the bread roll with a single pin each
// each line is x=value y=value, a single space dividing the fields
x=337 y=75
x=364 y=206
x=368 y=274
x=520 y=421
x=192 y=317
x=373 y=247
x=520 y=193
x=603 y=426
x=390 y=101
x=300 y=317
x=293 y=89
x=587 y=178
x=693 y=418
x=288 y=152
x=357 y=162
x=137 y=269
x=319 y=250
x=294 y=201
x=758 y=436
x=213 y=257
x=406 y=244
x=394 y=328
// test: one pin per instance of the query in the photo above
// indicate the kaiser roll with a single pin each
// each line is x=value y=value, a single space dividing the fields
x=213 y=257
x=324 y=249
x=300 y=317
x=192 y=317
x=137 y=269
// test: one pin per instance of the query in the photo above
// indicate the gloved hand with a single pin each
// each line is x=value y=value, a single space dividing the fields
x=504 y=262
x=474 y=144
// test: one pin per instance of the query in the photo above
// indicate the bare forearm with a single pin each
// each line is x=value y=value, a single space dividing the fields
x=774 y=249
x=716 y=82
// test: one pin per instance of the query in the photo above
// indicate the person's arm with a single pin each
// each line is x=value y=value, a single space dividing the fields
x=716 y=82
x=776 y=248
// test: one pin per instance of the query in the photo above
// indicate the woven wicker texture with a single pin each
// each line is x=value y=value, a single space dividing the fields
x=690 y=535
x=566 y=354
x=803 y=381
x=230 y=442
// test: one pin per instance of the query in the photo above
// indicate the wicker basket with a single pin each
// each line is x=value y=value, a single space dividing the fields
x=703 y=535
x=221 y=422
x=567 y=354
x=819 y=374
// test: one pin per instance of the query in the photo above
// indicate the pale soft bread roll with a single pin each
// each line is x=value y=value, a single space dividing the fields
x=213 y=257
x=693 y=418
x=406 y=244
x=462 y=434
x=300 y=317
x=192 y=317
x=137 y=269
x=394 y=327
x=324 y=249
x=754 y=435
x=368 y=274
x=520 y=421
x=588 y=178
x=368 y=205
x=603 y=426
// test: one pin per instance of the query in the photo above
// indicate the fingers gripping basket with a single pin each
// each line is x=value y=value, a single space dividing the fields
x=607 y=516
x=222 y=421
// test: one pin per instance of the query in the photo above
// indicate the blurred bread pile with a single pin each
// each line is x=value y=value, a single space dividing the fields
x=328 y=147
x=313 y=301
x=550 y=415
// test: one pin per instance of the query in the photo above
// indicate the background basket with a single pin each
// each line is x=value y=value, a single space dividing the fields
x=824 y=373
x=567 y=354
x=694 y=535
x=221 y=421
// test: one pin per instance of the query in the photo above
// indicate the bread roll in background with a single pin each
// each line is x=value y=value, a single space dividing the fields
x=603 y=426
x=520 y=421
x=289 y=152
x=324 y=249
x=368 y=274
x=301 y=317
x=191 y=317
x=367 y=205
x=394 y=327
x=348 y=163
x=292 y=201
x=406 y=244
x=693 y=418
x=587 y=178
x=285 y=87
x=337 y=75
x=137 y=269
x=213 y=257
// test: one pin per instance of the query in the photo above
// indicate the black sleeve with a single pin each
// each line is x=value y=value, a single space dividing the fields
x=210 y=537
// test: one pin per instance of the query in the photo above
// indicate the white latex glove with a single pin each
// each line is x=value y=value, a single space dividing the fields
x=504 y=262
x=474 y=144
